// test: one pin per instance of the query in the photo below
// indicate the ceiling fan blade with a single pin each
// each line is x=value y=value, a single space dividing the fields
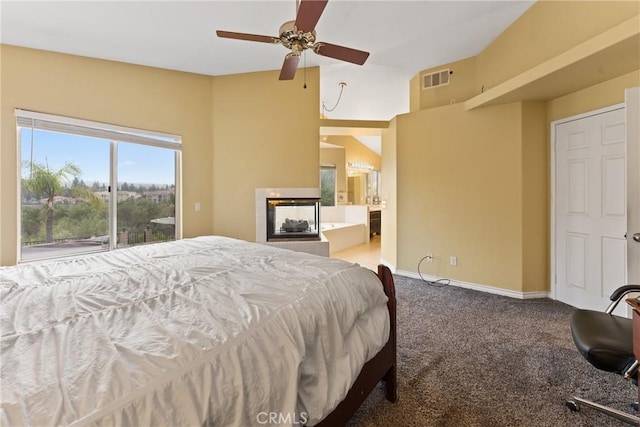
x=289 y=67
x=340 y=52
x=248 y=37
x=309 y=12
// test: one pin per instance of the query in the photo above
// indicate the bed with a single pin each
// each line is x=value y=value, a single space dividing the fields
x=203 y=331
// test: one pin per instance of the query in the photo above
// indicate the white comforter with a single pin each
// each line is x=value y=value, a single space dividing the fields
x=204 y=331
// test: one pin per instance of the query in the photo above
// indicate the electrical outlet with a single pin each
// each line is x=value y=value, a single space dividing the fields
x=453 y=260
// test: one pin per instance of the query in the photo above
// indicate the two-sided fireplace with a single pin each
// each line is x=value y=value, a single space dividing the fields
x=293 y=219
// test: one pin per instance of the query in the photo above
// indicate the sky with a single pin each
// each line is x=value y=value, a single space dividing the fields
x=137 y=164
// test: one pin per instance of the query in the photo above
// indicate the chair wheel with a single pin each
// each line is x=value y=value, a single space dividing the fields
x=572 y=405
x=634 y=405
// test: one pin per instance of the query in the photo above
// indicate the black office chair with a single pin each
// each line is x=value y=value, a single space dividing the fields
x=606 y=341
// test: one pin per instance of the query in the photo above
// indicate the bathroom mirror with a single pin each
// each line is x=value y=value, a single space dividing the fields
x=363 y=186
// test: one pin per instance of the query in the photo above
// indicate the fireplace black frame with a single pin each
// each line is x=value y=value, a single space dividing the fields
x=296 y=231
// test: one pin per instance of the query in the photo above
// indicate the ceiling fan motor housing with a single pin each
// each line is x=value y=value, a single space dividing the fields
x=294 y=39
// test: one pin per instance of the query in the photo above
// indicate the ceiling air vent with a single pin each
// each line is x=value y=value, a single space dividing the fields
x=436 y=79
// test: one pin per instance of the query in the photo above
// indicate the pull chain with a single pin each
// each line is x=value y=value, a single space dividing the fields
x=304 y=59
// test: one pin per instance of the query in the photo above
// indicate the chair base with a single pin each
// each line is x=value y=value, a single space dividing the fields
x=574 y=405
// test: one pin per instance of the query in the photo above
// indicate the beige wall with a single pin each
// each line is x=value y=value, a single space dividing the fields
x=265 y=134
x=355 y=151
x=460 y=193
x=472 y=184
x=547 y=29
x=446 y=201
x=507 y=248
x=415 y=92
x=239 y=132
x=462 y=85
x=592 y=98
x=389 y=195
x=535 y=197
x=109 y=92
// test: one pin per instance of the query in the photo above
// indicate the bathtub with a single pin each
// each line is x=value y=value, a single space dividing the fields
x=343 y=235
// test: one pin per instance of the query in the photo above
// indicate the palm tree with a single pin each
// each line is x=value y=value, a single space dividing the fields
x=45 y=182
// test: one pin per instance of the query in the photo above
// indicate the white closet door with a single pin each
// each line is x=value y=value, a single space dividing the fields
x=590 y=209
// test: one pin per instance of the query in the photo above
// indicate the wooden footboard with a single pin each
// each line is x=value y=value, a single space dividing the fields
x=381 y=367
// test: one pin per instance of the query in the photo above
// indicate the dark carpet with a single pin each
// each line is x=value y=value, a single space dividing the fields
x=468 y=358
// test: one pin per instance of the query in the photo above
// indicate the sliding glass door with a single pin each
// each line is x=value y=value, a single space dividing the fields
x=64 y=183
x=146 y=202
x=80 y=193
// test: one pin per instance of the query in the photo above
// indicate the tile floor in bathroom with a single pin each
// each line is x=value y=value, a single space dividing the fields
x=366 y=254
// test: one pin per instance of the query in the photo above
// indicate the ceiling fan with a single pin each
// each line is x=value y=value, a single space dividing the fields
x=300 y=35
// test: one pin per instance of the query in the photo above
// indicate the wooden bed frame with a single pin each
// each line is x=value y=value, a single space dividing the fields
x=382 y=367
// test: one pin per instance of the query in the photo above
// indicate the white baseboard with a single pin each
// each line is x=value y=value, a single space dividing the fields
x=477 y=287
x=388 y=264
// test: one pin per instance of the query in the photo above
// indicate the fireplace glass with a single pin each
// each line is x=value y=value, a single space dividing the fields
x=293 y=219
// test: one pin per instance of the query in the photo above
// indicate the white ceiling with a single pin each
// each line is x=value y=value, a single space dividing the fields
x=403 y=37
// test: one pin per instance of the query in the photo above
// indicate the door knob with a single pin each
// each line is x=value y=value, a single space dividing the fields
x=636 y=237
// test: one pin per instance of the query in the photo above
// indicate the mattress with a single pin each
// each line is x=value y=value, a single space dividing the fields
x=203 y=331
